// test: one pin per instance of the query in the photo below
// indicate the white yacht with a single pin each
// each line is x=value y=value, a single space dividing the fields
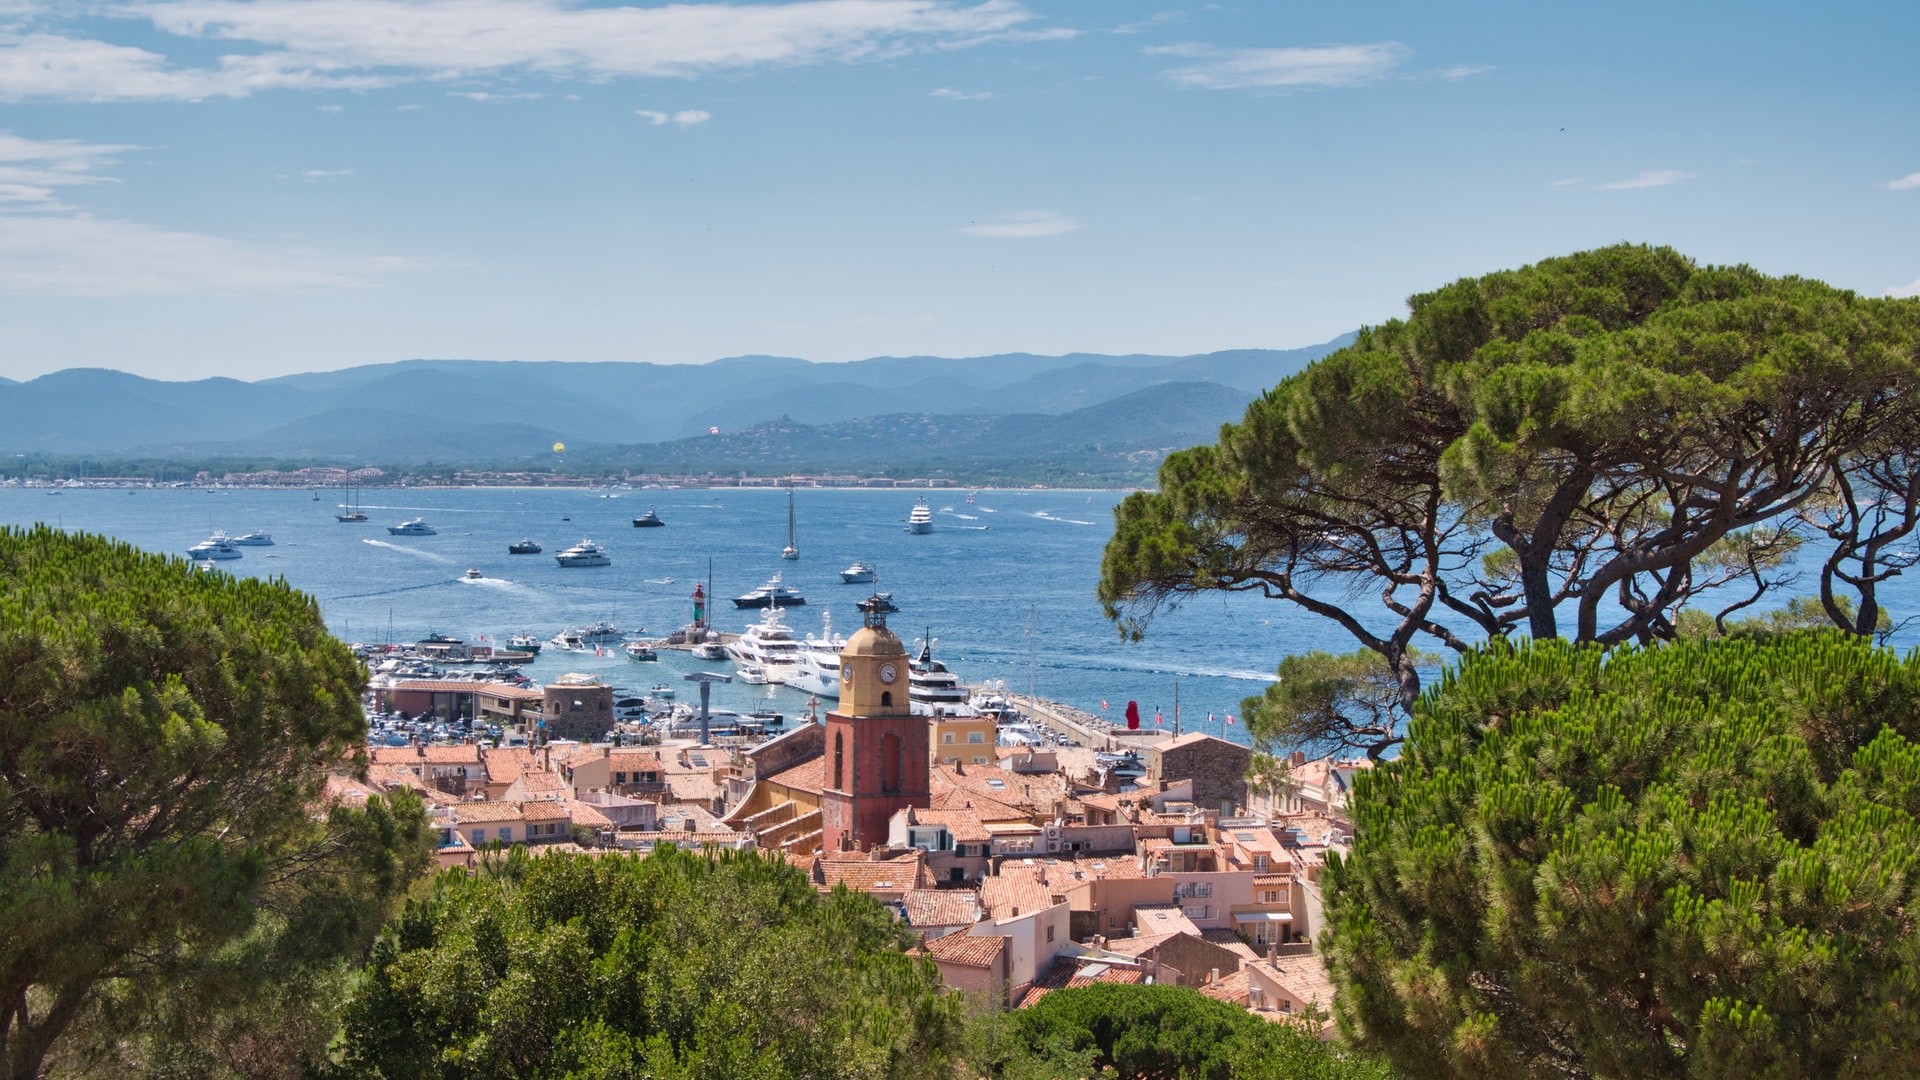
x=584 y=553
x=858 y=574
x=768 y=645
x=773 y=594
x=416 y=527
x=921 y=520
x=216 y=546
x=818 y=672
x=931 y=688
x=587 y=637
x=253 y=539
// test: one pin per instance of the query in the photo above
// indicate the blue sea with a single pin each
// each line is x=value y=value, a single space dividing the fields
x=1004 y=585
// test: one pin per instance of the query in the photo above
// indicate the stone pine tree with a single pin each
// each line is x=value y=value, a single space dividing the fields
x=1700 y=859
x=164 y=738
x=675 y=966
x=1576 y=449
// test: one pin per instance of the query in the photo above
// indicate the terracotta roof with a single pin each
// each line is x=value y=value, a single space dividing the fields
x=1193 y=738
x=1231 y=989
x=506 y=763
x=1139 y=944
x=1163 y=919
x=1015 y=893
x=966 y=950
x=543 y=810
x=941 y=907
x=540 y=782
x=452 y=686
x=1067 y=972
x=964 y=825
x=1232 y=942
x=479 y=813
x=1272 y=879
x=432 y=755
x=586 y=814
x=1027 y=792
x=631 y=758
x=1305 y=977
x=692 y=788
x=809 y=775
x=861 y=874
x=1115 y=866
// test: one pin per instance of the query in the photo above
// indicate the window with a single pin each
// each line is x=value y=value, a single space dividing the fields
x=946 y=737
x=839 y=759
x=1259 y=864
x=479 y=837
x=891 y=755
x=619 y=778
x=976 y=737
x=979 y=759
x=1270 y=896
x=1202 y=911
x=1049 y=933
x=1185 y=889
x=886 y=698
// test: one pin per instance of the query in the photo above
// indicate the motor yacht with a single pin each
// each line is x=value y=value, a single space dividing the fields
x=584 y=553
x=768 y=645
x=416 y=527
x=859 y=573
x=474 y=574
x=648 y=520
x=640 y=650
x=920 y=521
x=773 y=594
x=587 y=637
x=524 y=643
x=217 y=546
x=818 y=672
x=931 y=688
x=524 y=547
x=253 y=539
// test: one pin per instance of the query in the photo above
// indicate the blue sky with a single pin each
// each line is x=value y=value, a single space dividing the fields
x=222 y=187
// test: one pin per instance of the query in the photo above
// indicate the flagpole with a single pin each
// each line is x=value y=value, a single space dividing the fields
x=1176 y=706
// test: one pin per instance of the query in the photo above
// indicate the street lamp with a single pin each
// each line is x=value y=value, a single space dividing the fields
x=706 y=679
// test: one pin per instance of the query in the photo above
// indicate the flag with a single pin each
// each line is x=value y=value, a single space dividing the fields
x=1229 y=718
x=1103 y=704
x=1156 y=716
x=1133 y=714
x=1209 y=718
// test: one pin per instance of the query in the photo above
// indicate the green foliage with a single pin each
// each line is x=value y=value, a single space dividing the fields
x=1578 y=448
x=164 y=735
x=1328 y=703
x=674 y=965
x=1154 y=1032
x=1697 y=859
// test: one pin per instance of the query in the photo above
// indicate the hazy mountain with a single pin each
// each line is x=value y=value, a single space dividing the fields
x=856 y=416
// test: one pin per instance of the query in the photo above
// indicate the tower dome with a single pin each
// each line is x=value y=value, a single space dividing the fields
x=874 y=641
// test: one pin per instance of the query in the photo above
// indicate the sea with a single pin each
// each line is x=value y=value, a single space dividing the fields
x=1004 y=586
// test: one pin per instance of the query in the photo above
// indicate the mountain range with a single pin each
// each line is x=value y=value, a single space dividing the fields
x=1089 y=414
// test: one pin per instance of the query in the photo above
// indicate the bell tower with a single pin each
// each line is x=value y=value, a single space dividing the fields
x=877 y=752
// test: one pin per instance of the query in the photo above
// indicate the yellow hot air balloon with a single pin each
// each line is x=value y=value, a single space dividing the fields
x=559 y=448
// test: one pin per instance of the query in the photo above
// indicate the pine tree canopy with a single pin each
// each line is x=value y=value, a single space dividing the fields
x=1575 y=449
x=165 y=735
x=1696 y=859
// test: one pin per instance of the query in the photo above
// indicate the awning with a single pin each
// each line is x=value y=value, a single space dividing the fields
x=1262 y=916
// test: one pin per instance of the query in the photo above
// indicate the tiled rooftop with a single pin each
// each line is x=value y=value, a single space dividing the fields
x=966 y=950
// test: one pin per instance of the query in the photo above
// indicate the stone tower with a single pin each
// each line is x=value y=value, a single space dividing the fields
x=877 y=752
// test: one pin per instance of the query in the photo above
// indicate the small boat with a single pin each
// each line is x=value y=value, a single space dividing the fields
x=253 y=539
x=216 y=546
x=474 y=574
x=648 y=520
x=920 y=522
x=710 y=650
x=587 y=637
x=773 y=594
x=857 y=574
x=415 y=527
x=524 y=547
x=525 y=643
x=880 y=603
x=640 y=650
x=661 y=692
x=790 y=552
x=751 y=674
x=584 y=553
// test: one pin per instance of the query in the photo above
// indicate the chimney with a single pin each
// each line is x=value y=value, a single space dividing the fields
x=1297 y=758
x=1213 y=975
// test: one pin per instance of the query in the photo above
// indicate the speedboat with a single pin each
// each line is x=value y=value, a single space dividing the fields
x=768 y=645
x=584 y=553
x=216 y=546
x=772 y=594
x=524 y=643
x=710 y=650
x=416 y=527
x=253 y=539
x=524 y=547
x=474 y=574
x=588 y=637
x=920 y=521
x=857 y=574
x=648 y=520
x=818 y=672
x=751 y=674
x=640 y=650
x=661 y=692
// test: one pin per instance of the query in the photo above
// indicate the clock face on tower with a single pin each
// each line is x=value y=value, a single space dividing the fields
x=888 y=674
x=846 y=674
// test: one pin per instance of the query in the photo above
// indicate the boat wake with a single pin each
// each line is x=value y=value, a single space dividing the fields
x=659 y=581
x=416 y=552
x=498 y=583
x=1045 y=516
x=965 y=517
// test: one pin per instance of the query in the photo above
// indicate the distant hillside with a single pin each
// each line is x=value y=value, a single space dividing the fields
x=1074 y=413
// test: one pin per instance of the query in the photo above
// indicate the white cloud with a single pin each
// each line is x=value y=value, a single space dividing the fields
x=1905 y=183
x=961 y=95
x=324 y=174
x=1465 y=71
x=331 y=108
x=366 y=44
x=1650 y=178
x=1022 y=225
x=409 y=108
x=1905 y=291
x=1566 y=182
x=1256 y=69
x=76 y=254
x=49 y=247
x=484 y=96
x=685 y=117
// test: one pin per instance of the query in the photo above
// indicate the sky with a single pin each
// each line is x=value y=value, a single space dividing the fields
x=251 y=188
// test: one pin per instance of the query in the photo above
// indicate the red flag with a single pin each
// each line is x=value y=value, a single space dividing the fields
x=1156 y=717
x=1209 y=718
x=1133 y=714
x=1103 y=704
x=1229 y=718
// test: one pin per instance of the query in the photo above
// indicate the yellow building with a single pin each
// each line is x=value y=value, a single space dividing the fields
x=962 y=740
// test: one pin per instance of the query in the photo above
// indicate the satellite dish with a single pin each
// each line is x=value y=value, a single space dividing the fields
x=559 y=448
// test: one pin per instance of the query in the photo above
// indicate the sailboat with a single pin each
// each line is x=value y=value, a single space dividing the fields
x=790 y=552
x=351 y=506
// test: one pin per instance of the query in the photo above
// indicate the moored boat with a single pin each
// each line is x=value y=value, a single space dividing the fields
x=920 y=522
x=859 y=573
x=257 y=538
x=524 y=547
x=217 y=546
x=648 y=520
x=415 y=527
x=584 y=553
x=774 y=593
